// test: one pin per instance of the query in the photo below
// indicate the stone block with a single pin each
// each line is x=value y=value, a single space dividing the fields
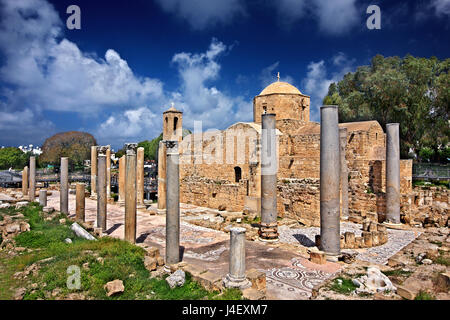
x=253 y=294
x=211 y=281
x=152 y=252
x=375 y=238
x=406 y=293
x=257 y=278
x=367 y=236
x=349 y=240
x=150 y=263
x=442 y=282
x=317 y=257
x=194 y=270
x=359 y=242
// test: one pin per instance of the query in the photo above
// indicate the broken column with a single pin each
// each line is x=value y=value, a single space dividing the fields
x=236 y=276
x=140 y=178
x=121 y=200
x=162 y=155
x=130 y=192
x=108 y=172
x=269 y=166
x=43 y=198
x=94 y=172
x=32 y=188
x=80 y=203
x=101 y=188
x=25 y=181
x=329 y=182
x=344 y=172
x=392 y=173
x=64 y=186
x=173 y=204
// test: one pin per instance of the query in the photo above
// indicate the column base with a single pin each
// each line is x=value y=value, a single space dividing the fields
x=268 y=240
x=230 y=282
x=93 y=197
x=395 y=226
x=121 y=203
x=161 y=211
x=332 y=257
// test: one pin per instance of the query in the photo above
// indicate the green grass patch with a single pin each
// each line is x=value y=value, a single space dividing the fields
x=422 y=295
x=99 y=261
x=444 y=260
x=345 y=287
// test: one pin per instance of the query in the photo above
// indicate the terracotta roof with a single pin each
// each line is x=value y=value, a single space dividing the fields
x=280 y=87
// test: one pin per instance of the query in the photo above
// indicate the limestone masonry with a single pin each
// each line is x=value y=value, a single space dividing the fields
x=212 y=176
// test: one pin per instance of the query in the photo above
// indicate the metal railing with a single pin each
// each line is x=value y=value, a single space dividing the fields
x=431 y=171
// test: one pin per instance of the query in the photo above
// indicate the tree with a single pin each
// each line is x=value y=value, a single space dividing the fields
x=414 y=92
x=151 y=148
x=12 y=158
x=74 y=145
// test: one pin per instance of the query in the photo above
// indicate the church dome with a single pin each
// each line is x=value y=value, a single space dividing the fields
x=280 y=87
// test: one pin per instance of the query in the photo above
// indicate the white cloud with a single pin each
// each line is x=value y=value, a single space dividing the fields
x=54 y=73
x=441 y=7
x=318 y=79
x=198 y=98
x=333 y=17
x=129 y=125
x=42 y=71
x=201 y=14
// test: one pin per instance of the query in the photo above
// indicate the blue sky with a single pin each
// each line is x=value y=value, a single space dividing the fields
x=132 y=59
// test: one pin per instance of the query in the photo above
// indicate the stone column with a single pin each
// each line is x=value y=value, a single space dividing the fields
x=392 y=174
x=94 y=172
x=329 y=182
x=236 y=276
x=162 y=157
x=64 y=186
x=32 y=188
x=269 y=167
x=130 y=193
x=122 y=161
x=108 y=173
x=25 y=181
x=80 y=202
x=173 y=204
x=140 y=179
x=344 y=172
x=43 y=198
x=101 y=188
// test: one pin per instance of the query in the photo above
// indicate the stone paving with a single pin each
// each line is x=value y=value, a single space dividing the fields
x=397 y=240
x=289 y=275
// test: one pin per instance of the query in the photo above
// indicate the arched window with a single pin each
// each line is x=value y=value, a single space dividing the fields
x=175 y=123
x=237 y=174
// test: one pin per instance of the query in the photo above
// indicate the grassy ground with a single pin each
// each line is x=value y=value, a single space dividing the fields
x=99 y=261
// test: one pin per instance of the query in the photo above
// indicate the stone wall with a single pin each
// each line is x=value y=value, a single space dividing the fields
x=426 y=207
x=285 y=106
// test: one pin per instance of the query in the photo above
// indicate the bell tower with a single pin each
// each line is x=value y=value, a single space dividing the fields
x=173 y=124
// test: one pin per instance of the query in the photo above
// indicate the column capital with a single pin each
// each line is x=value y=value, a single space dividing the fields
x=131 y=149
x=102 y=150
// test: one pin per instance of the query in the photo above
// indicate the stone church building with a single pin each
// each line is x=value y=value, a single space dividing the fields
x=221 y=169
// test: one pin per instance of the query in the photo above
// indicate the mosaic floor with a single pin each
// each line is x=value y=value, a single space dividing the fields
x=296 y=282
x=397 y=239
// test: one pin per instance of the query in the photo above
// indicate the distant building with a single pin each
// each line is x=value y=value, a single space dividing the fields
x=30 y=148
